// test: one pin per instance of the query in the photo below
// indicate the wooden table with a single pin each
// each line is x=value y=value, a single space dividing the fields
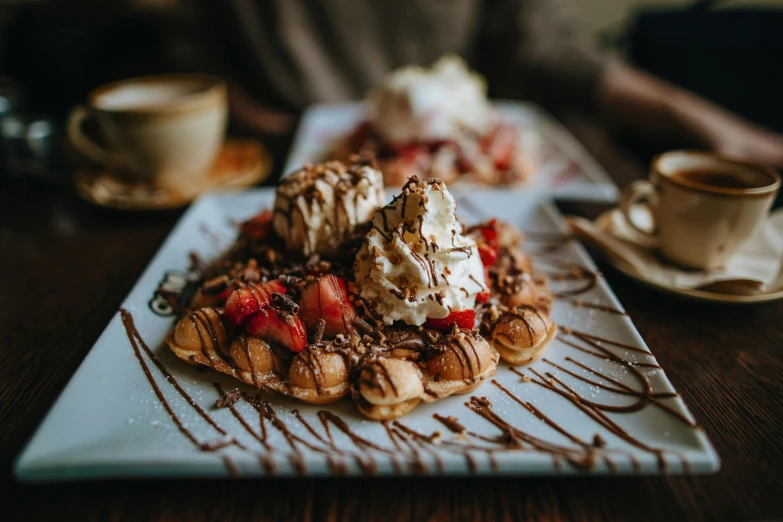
x=66 y=266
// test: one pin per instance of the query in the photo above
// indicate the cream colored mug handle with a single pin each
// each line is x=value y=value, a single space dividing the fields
x=87 y=146
x=639 y=191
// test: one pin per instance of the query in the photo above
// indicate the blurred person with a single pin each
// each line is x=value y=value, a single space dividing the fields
x=282 y=55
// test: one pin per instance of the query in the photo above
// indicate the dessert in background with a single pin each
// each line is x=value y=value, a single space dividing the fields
x=331 y=294
x=438 y=122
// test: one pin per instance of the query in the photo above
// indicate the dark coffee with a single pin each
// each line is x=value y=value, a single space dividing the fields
x=711 y=178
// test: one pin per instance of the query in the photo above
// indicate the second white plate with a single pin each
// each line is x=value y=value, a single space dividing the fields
x=563 y=168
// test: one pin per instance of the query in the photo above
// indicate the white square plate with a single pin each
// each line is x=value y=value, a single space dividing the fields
x=562 y=167
x=109 y=422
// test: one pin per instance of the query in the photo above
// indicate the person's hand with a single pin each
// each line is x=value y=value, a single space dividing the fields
x=682 y=119
x=742 y=140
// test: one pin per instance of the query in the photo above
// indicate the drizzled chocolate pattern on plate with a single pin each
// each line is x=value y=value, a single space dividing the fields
x=283 y=440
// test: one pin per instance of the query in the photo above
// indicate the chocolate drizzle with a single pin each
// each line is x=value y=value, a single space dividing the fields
x=416 y=448
x=561 y=298
x=406 y=231
x=571 y=272
x=211 y=235
x=139 y=346
x=578 y=280
x=300 y=193
x=269 y=433
x=203 y=322
x=450 y=422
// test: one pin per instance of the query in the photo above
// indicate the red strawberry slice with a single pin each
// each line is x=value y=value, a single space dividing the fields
x=288 y=331
x=488 y=254
x=501 y=144
x=361 y=135
x=245 y=302
x=489 y=231
x=327 y=298
x=395 y=148
x=226 y=293
x=482 y=297
x=462 y=318
x=259 y=226
x=410 y=152
x=275 y=285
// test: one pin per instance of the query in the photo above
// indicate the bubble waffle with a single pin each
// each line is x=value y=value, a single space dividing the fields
x=388 y=388
x=313 y=328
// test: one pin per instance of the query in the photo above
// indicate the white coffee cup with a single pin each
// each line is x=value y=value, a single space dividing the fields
x=704 y=206
x=163 y=130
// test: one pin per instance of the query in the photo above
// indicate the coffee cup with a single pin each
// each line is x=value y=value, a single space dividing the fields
x=703 y=206
x=162 y=130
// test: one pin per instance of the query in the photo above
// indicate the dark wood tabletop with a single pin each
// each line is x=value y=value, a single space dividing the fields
x=65 y=266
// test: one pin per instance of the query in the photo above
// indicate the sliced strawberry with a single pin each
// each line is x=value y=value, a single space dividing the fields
x=462 y=318
x=244 y=302
x=361 y=135
x=488 y=254
x=259 y=226
x=482 y=297
x=500 y=144
x=465 y=164
x=489 y=231
x=327 y=298
x=395 y=148
x=410 y=153
x=226 y=293
x=269 y=325
x=275 y=285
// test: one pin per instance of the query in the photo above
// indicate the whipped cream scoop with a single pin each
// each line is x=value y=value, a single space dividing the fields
x=317 y=207
x=415 y=263
x=440 y=103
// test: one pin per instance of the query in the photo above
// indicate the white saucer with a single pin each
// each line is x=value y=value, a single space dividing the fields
x=710 y=293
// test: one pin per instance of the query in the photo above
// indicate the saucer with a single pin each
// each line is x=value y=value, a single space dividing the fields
x=715 y=292
x=241 y=163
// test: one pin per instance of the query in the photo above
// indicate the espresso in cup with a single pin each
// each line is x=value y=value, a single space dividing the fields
x=713 y=178
x=704 y=206
x=162 y=130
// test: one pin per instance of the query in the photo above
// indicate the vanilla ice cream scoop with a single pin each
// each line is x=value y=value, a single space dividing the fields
x=415 y=263
x=441 y=103
x=318 y=207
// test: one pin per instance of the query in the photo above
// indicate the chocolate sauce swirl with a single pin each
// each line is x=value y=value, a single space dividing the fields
x=420 y=450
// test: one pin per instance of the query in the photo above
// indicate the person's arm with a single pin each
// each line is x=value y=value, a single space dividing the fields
x=535 y=49
x=212 y=51
x=679 y=118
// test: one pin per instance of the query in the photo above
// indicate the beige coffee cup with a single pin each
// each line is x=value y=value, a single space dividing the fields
x=163 y=130
x=703 y=206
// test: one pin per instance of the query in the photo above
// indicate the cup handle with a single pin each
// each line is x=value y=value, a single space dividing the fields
x=86 y=145
x=639 y=191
